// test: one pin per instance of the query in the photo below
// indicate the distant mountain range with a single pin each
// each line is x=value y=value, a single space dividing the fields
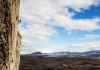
x=68 y=54
x=92 y=53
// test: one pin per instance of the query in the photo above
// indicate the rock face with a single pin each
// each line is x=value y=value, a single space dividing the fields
x=9 y=35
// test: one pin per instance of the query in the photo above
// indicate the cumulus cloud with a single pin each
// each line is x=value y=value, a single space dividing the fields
x=41 y=10
x=34 y=11
x=42 y=16
x=81 y=4
x=38 y=31
x=81 y=24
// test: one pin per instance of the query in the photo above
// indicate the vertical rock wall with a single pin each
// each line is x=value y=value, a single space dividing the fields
x=9 y=35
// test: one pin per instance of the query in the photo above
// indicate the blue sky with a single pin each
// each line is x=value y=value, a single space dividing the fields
x=92 y=12
x=60 y=25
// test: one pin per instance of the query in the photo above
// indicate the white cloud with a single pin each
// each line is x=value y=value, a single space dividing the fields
x=91 y=36
x=81 y=4
x=39 y=13
x=86 y=46
x=77 y=47
x=81 y=24
x=37 y=31
x=37 y=10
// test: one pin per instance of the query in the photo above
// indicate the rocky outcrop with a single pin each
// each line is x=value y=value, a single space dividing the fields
x=9 y=35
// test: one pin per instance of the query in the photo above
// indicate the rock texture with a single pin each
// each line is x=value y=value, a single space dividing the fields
x=9 y=35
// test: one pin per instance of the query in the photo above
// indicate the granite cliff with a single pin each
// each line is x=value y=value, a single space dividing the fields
x=9 y=35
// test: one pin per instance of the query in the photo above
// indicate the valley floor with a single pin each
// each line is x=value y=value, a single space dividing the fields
x=29 y=62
